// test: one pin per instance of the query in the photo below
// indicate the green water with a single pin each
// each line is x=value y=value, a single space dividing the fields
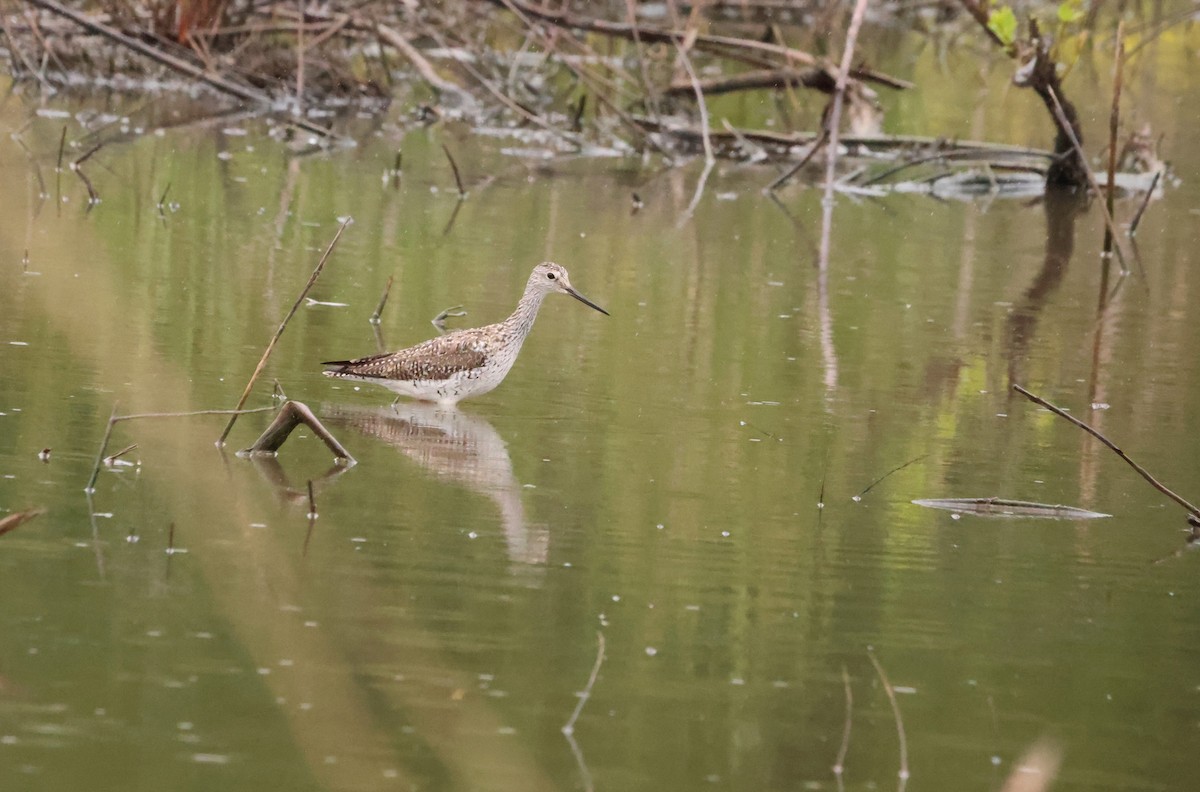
x=653 y=476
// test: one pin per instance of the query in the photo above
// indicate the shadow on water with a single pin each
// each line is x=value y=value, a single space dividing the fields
x=458 y=448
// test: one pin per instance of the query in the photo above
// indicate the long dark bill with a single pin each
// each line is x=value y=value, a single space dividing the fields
x=587 y=302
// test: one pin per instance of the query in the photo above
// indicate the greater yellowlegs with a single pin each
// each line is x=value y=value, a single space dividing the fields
x=466 y=362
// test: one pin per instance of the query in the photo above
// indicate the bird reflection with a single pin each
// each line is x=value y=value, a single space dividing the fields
x=461 y=449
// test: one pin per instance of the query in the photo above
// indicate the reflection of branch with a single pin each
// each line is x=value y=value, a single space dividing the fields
x=891 y=694
x=840 y=765
x=709 y=159
x=569 y=728
x=1192 y=510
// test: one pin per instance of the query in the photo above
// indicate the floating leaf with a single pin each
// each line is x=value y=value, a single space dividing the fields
x=1003 y=22
x=1003 y=507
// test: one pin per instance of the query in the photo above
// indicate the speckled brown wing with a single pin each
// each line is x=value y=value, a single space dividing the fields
x=435 y=359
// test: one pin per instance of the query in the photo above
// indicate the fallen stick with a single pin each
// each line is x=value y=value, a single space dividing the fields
x=1137 y=218
x=312 y=279
x=170 y=61
x=91 y=485
x=1191 y=509
x=291 y=415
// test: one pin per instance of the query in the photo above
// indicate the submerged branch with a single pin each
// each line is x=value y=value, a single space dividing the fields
x=291 y=415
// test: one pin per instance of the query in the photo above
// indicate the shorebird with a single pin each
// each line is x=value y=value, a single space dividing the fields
x=466 y=362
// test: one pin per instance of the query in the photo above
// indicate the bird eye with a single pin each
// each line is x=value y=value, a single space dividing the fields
x=550 y=275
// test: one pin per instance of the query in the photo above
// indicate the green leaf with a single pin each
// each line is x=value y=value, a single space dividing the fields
x=1003 y=22
x=1070 y=11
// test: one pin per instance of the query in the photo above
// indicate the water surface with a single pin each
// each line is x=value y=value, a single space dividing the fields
x=653 y=476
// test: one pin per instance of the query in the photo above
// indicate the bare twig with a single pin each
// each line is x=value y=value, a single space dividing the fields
x=299 y=109
x=1114 y=121
x=569 y=727
x=312 y=279
x=189 y=414
x=891 y=694
x=462 y=193
x=111 y=458
x=91 y=485
x=792 y=171
x=979 y=11
x=896 y=469
x=312 y=502
x=162 y=200
x=752 y=50
x=1066 y=127
x=387 y=289
x=422 y=65
x=1191 y=509
x=1137 y=218
x=62 y=144
x=709 y=159
x=77 y=168
x=439 y=321
x=839 y=95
